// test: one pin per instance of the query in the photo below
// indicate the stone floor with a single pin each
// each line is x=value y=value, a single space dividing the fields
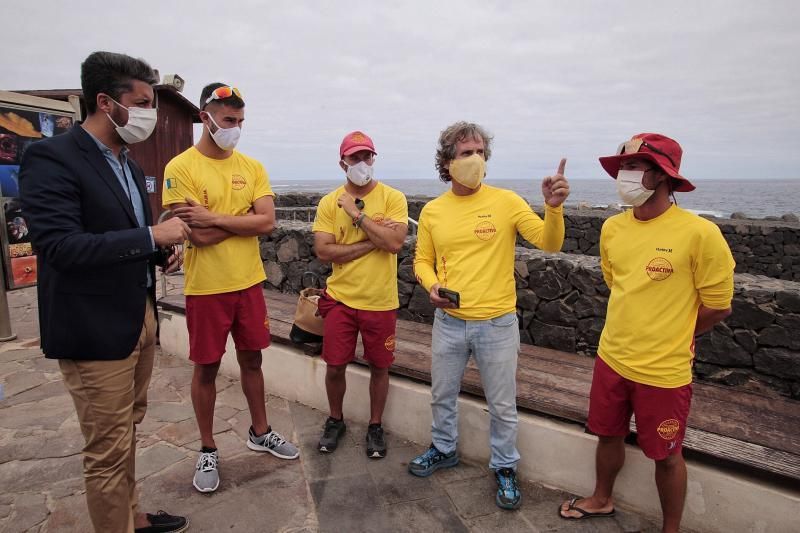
x=42 y=488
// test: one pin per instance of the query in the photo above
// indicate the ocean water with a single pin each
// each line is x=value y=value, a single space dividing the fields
x=754 y=198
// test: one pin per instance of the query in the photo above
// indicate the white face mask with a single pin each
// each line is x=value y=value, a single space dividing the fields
x=227 y=138
x=630 y=188
x=141 y=123
x=360 y=174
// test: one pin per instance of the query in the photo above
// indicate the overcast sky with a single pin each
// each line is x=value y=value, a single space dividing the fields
x=548 y=79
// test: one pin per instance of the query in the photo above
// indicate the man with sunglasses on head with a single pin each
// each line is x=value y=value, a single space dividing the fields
x=671 y=278
x=225 y=197
x=359 y=228
x=465 y=260
x=90 y=222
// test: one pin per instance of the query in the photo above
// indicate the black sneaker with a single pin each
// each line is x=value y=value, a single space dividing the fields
x=162 y=522
x=332 y=430
x=376 y=444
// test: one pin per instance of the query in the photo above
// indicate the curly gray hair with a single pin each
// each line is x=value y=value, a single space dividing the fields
x=451 y=136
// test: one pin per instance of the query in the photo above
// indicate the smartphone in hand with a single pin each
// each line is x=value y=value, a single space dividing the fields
x=453 y=296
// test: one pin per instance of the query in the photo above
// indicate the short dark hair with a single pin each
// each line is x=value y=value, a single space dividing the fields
x=112 y=74
x=233 y=100
x=451 y=136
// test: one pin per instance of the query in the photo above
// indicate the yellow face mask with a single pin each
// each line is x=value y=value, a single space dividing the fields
x=468 y=171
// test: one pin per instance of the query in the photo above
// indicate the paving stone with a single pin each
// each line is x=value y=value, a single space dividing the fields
x=544 y=516
x=629 y=522
x=347 y=460
x=228 y=443
x=19 y=354
x=156 y=458
x=349 y=504
x=68 y=514
x=393 y=481
x=232 y=397
x=47 y=413
x=224 y=412
x=22 y=381
x=170 y=412
x=48 y=366
x=49 y=444
x=473 y=497
x=46 y=391
x=29 y=511
x=160 y=391
x=430 y=514
x=31 y=476
x=464 y=470
x=8 y=368
x=183 y=432
x=66 y=487
x=505 y=521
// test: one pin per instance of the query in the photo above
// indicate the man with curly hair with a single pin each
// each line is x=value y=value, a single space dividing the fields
x=465 y=260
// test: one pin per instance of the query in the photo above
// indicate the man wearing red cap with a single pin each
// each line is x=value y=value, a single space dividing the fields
x=671 y=278
x=359 y=228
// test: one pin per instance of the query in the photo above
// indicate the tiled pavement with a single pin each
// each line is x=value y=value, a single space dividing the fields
x=41 y=487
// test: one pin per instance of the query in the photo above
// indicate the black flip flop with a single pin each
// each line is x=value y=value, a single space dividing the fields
x=584 y=514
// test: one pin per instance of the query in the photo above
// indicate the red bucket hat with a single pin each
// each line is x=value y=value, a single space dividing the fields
x=657 y=148
x=355 y=142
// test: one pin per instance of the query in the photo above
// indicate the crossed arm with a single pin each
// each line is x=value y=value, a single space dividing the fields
x=388 y=236
x=211 y=228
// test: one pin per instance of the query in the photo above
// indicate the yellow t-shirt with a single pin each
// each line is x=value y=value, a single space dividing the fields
x=471 y=242
x=659 y=272
x=228 y=186
x=369 y=282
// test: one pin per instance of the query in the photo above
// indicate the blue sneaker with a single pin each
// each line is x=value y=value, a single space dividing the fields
x=432 y=460
x=508 y=494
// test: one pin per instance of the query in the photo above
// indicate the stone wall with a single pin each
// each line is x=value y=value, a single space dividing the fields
x=766 y=247
x=561 y=303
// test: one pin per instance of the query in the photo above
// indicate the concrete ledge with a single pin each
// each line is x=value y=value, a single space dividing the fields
x=553 y=453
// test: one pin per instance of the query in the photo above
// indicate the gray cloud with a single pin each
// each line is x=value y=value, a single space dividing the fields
x=572 y=78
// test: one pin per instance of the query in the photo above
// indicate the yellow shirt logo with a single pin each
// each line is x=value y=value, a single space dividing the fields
x=485 y=230
x=238 y=182
x=659 y=269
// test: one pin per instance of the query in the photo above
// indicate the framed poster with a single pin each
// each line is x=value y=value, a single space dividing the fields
x=23 y=120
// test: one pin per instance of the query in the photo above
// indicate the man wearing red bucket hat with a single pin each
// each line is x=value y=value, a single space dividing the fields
x=671 y=278
x=359 y=228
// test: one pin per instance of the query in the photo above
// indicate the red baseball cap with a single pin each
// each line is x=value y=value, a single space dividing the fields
x=657 y=148
x=355 y=142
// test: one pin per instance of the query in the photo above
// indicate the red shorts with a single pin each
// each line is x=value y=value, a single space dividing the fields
x=210 y=317
x=661 y=413
x=342 y=326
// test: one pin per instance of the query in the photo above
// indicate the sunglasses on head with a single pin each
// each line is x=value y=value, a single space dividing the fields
x=221 y=93
x=634 y=145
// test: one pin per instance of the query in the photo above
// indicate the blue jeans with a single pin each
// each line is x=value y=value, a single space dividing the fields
x=494 y=344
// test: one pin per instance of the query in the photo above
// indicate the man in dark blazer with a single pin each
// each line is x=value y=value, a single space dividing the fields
x=92 y=229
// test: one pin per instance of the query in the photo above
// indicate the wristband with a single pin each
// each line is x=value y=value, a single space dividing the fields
x=358 y=220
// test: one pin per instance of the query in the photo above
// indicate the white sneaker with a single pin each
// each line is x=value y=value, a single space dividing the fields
x=206 y=476
x=274 y=443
